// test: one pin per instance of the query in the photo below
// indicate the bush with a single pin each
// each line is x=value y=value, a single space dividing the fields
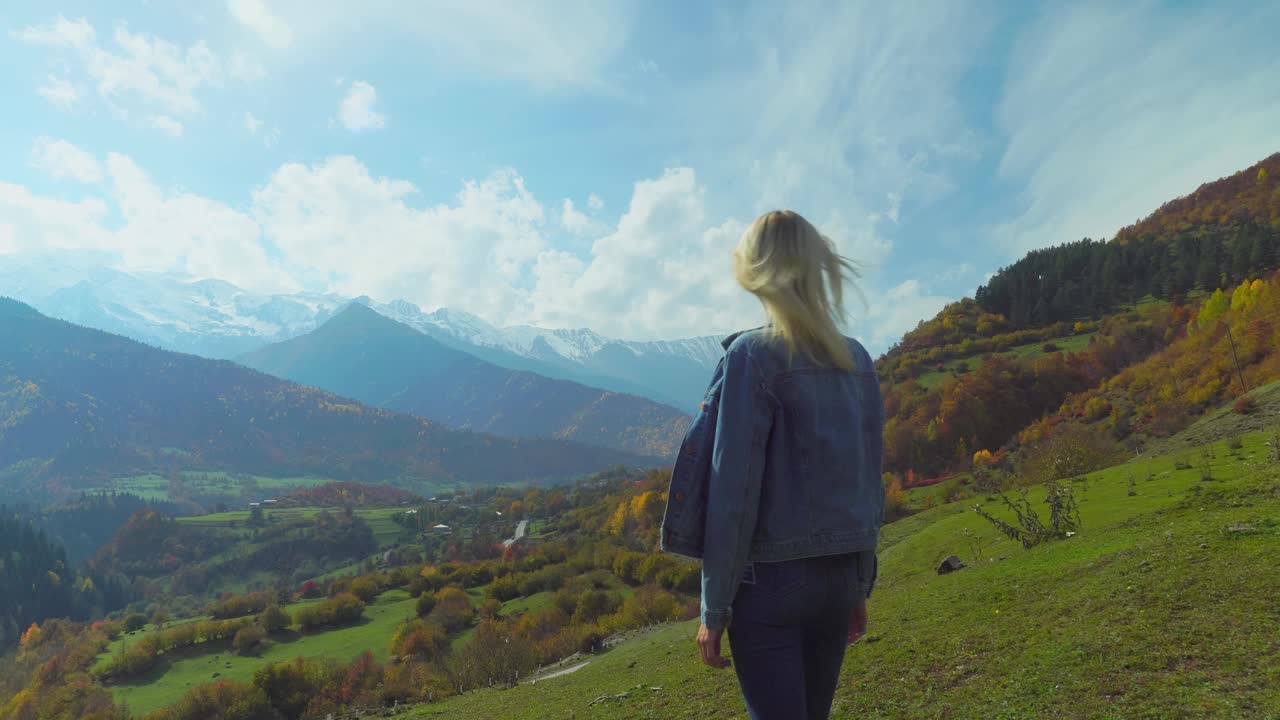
x=240 y=605
x=247 y=639
x=426 y=603
x=342 y=608
x=453 y=609
x=365 y=588
x=134 y=622
x=419 y=639
x=274 y=618
x=224 y=700
x=1245 y=405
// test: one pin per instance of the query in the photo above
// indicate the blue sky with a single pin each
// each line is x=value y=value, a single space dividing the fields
x=592 y=163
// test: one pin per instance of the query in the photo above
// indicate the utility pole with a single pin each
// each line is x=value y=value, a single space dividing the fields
x=1240 y=375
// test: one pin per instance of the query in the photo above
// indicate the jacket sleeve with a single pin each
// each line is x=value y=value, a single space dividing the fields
x=737 y=467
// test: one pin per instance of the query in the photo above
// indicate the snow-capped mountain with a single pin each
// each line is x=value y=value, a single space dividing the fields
x=216 y=319
x=578 y=345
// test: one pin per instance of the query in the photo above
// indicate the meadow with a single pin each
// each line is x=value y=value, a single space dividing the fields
x=1162 y=606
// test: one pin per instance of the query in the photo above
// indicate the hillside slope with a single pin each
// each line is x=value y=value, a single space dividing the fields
x=364 y=355
x=77 y=405
x=1059 y=324
x=1162 y=606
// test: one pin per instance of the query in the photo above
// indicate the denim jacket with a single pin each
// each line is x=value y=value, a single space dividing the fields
x=782 y=461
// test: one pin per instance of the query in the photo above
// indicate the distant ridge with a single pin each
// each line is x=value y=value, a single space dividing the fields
x=362 y=354
x=79 y=405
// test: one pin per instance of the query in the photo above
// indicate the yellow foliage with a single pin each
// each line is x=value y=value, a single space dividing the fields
x=982 y=458
x=31 y=637
x=617 y=524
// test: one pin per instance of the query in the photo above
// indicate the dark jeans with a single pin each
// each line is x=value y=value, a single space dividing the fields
x=788 y=634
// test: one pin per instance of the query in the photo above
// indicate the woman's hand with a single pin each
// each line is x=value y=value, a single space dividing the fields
x=857 y=621
x=709 y=646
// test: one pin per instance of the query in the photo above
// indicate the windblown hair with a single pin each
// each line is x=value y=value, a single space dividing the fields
x=799 y=277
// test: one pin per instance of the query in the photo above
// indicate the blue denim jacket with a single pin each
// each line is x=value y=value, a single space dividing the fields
x=782 y=461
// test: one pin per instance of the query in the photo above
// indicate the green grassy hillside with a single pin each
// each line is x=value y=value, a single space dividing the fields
x=1162 y=606
x=203 y=664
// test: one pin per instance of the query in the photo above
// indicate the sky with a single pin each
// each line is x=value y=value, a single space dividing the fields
x=592 y=164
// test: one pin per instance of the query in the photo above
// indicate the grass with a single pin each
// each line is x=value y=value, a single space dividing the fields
x=380 y=520
x=1068 y=343
x=173 y=677
x=206 y=483
x=1163 y=606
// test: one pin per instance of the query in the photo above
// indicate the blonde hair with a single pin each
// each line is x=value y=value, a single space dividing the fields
x=799 y=277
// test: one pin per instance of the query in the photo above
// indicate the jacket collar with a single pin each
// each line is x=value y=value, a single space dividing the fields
x=729 y=340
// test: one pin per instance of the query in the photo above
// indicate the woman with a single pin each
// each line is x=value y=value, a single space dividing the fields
x=777 y=485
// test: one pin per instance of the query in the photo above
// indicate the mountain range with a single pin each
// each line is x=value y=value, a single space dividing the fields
x=362 y=354
x=80 y=406
x=216 y=319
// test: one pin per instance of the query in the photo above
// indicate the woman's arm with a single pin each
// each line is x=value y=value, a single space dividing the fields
x=737 y=466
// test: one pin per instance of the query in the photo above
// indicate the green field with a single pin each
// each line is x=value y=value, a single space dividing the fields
x=197 y=666
x=385 y=530
x=205 y=483
x=1069 y=343
x=1162 y=606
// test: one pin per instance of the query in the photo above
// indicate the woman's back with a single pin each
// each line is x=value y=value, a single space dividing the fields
x=820 y=491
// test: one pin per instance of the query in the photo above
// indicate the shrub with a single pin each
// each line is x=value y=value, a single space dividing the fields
x=224 y=700
x=1245 y=405
x=240 y=605
x=342 y=608
x=247 y=639
x=274 y=618
x=426 y=603
x=1064 y=517
x=365 y=588
x=134 y=622
x=419 y=639
x=453 y=609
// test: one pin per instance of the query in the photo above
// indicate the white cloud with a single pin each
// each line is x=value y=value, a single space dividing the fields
x=166 y=124
x=891 y=314
x=1164 y=99
x=335 y=226
x=143 y=77
x=594 y=202
x=59 y=91
x=575 y=221
x=255 y=15
x=60 y=159
x=356 y=109
x=251 y=123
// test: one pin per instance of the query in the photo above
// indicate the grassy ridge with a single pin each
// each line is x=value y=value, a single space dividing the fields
x=1163 y=606
x=204 y=664
x=1068 y=343
x=380 y=521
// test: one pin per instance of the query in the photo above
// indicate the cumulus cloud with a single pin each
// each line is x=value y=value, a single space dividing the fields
x=60 y=159
x=577 y=222
x=140 y=76
x=255 y=15
x=356 y=112
x=889 y=315
x=594 y=202
x=662 y=270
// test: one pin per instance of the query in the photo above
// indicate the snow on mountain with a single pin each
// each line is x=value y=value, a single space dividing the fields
x=216 y=319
